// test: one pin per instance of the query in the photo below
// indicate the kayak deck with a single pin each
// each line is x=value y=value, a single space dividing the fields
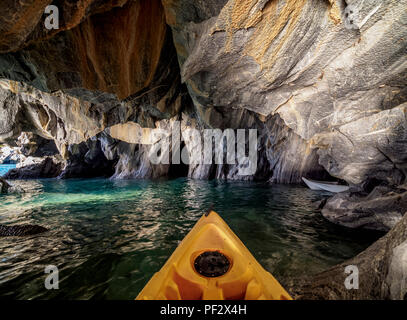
x=211 y=263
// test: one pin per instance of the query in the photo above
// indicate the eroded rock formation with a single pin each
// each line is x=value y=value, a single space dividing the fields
x=47 y=168
x=4 y=186
x=322 y=81
x=380 y=210
x=382 y=272
x=64 y=85
x=328 y=81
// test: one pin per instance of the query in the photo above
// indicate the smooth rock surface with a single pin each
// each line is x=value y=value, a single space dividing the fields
x=382 y=273
x=311 y=62
x=381 y=210
x=322 y=82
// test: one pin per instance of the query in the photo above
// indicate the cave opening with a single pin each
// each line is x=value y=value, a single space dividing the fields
x=179 y=170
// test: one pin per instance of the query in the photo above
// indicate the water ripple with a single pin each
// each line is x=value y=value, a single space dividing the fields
x=109 y=237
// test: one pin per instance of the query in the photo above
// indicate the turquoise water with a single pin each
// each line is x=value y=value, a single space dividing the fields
x=108 y=237
x=6 y=167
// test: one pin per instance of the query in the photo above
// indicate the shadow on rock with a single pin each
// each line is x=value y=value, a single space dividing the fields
x=382 y=272
x=380 y=210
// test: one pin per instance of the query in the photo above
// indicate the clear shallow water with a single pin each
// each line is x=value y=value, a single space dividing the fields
x=6 y=167
x=109 y=237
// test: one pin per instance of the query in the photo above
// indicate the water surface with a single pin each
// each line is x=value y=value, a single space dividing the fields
x=4 y=168
x=108 y=237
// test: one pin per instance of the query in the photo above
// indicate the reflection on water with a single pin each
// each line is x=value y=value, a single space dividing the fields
x=109 y=237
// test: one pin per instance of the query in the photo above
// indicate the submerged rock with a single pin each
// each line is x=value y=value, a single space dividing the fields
x=21 y=230
x=323 y=82
x=382 y=272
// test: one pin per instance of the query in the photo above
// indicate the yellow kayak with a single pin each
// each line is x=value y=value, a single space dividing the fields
x=211 y=263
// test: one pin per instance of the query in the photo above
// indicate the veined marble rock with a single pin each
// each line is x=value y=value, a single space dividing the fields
x=323 y=81
x=382 y=272
x=313 y=62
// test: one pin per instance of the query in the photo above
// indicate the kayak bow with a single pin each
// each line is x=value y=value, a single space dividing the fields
x=211 y=263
